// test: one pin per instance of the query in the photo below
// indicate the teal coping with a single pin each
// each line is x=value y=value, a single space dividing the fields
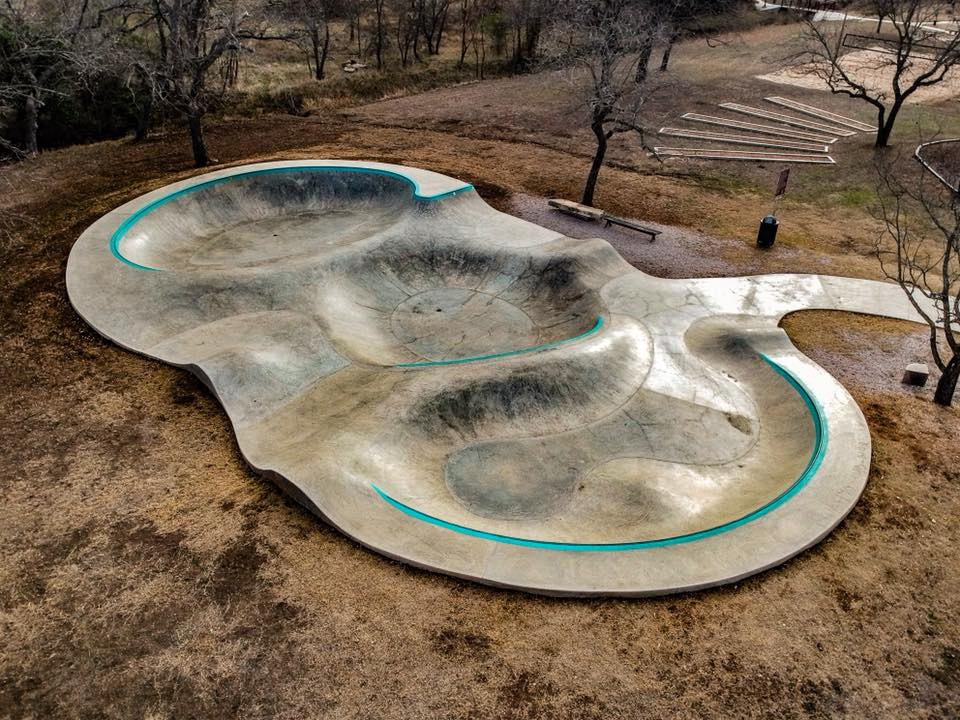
x=813 y=465
x=125 y=226
x=508 y=353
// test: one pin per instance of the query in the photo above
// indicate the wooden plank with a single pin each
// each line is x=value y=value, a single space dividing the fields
x=614 y=220
x=574 y=208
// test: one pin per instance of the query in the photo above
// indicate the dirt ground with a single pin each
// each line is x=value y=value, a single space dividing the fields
x=146 y=572
x=874 y=69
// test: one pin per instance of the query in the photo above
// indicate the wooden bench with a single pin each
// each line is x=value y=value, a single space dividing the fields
x=623 y=222
x=585 y=212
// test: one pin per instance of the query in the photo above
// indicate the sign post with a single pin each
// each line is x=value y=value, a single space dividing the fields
x=768 y=226
x=781 y=189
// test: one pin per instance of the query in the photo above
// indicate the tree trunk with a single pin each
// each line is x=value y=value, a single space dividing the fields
x=885 y=127
x=324 y=51
x=379 y=7
x=591 y=185
x=315 y=43
x=144 y=118
x=644 y=61
x=403 y=42
x=232 y=69
x=947 y=386
x=320 y=49
x=665 y=58
x=31 y=124
x=482 y=56
x=532 y=37
x=416 y=41
x=200 y=157
x=440 y=30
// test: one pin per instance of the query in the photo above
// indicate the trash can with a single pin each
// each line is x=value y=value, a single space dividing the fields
x=768 y=232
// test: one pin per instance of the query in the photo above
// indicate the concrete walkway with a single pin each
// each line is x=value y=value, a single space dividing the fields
x=945 y=26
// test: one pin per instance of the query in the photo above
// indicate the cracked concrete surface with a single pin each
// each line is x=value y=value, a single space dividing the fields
x=474 y=394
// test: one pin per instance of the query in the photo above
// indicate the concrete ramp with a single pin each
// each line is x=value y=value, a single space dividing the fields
x=474 y=394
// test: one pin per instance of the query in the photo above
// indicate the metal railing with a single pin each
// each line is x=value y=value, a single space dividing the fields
x=954 y=186
x=810 y=5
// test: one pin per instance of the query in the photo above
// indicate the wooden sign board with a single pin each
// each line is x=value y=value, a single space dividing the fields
x=782 y=183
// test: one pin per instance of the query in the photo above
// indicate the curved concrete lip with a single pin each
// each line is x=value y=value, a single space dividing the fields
x=474 y=394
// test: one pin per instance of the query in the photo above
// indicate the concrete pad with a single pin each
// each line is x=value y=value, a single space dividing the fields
x=726 y=154
x=821 y=114
x=473 y=394
x=788 y=119
x=777 y=130
x=732 y=139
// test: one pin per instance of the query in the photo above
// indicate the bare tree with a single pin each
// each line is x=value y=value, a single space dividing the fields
x=477 y=19
x=883 y=8
x=687 y=18
x=46 y=50
x=433 y=22
x=406 y=29
x=643 y=60
x=355 y=10
x=599 y=43
x=312 y=19
x=920 y=250
x=380 y=30
x=918 y=54
x=197 y=34
x=526 y=19
x=192 y=39
x=466 y=17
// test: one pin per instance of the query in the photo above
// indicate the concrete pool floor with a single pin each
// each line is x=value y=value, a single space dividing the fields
x=475 y=394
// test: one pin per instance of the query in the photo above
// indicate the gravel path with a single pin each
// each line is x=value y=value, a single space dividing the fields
x=676 y=253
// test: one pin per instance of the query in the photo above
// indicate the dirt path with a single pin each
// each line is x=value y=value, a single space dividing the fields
x=146 y=572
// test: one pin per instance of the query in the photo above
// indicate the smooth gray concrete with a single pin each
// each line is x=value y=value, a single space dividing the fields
x=659 y=437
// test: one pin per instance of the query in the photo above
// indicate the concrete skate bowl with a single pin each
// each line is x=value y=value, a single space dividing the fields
x=415 y=300
x=261 y=218
x=477 y=395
